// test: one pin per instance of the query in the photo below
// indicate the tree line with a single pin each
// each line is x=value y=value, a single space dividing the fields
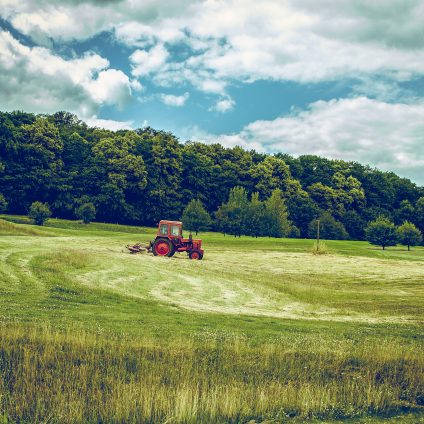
x=142 y=176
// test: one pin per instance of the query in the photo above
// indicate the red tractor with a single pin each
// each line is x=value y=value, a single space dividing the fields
x=169 y=239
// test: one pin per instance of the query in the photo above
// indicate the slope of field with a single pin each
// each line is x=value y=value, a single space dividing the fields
x=301 y=336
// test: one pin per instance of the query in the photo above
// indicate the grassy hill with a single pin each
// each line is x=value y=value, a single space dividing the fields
x=260 y=329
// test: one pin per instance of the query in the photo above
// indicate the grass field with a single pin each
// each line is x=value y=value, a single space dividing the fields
x=261 y=329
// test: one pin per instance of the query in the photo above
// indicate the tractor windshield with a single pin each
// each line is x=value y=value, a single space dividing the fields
x=175 y=230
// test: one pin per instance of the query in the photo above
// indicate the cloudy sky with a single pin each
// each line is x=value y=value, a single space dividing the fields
x=338 y=78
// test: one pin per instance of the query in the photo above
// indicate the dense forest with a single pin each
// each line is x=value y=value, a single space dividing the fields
x=145 y=175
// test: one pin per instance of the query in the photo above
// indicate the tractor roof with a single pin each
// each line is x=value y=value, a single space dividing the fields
x=164 y=221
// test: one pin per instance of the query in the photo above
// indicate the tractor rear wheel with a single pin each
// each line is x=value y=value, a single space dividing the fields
x=195 y=254
x=163 y=247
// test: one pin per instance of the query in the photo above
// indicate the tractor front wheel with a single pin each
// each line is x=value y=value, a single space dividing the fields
x=163 y=247
x=195 y=254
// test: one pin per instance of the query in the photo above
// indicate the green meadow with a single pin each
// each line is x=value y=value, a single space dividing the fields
x=260 y=330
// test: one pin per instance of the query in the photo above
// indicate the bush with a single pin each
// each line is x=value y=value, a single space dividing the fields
x=319 y=248
x=3 y=204
x=39 y=212
x=86 y=212
x=381 y=232
x=409 y=235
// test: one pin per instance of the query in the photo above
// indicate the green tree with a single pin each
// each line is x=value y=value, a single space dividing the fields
x=326 y=197
x=381 y=232
x=344 y=193
x=405 y=212
x=86 y=212
x=277 y=222
x=270 y=174
x=238 y=205
x=302 y=210
x=419 y=214
x=3 y=204
x=222 y=221
x=34 y=163
x=197 y=180
x=231 y=216
x=315 y=169
x=349 y=190
x=354 y=224
x=39 y=212
x=163 y=155
x=409 y=235
x=119 y=173
x=195 y=216
x=330 y=228
x=255 y=216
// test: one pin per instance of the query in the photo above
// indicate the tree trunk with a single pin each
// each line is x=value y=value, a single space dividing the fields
x=409 y=247
x=196 y=233
x=384 y=247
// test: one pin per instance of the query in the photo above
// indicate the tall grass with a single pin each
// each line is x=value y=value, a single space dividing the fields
x=75 y=376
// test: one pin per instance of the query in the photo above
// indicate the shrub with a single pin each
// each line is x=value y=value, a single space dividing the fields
x=86 y=212
x=319 y=248
x=39 y=212
x=381 y=232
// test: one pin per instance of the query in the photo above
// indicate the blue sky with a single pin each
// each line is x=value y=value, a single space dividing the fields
x=342 y=79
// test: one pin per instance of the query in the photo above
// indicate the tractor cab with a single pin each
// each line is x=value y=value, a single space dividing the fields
x=169 y=239
x=170 y=229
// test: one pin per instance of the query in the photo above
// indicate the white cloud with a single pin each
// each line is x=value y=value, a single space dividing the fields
x=39 y=81
x=284 y=40
x=141 y=35
x=145 y=62
x=382 y=89
x=389 y=136
x=56 y=21
x=111 y=86
x=224 y=105
x=68 y=20
x=296 y=40
x=171 y=100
